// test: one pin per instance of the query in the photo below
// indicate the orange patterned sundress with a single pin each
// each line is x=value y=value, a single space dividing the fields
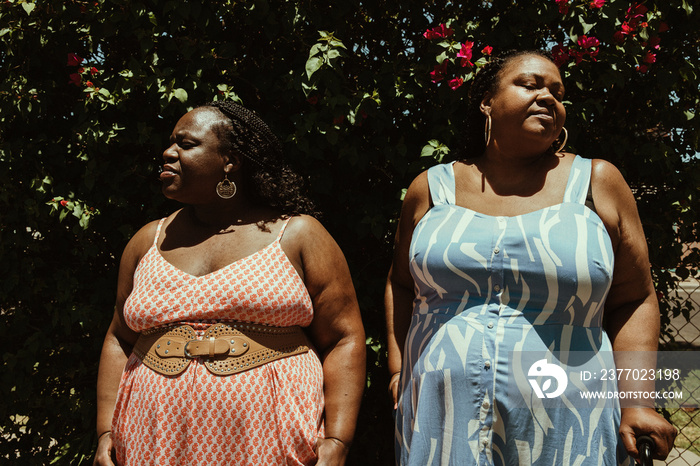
x=269 y=415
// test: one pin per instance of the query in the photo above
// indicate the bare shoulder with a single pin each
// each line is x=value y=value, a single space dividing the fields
x=416 y=201
x=613 y=199
x=302 y=226
x=141 y=242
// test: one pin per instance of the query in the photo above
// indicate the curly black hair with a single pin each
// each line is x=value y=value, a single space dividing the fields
x=269 y=180
x=472 y=142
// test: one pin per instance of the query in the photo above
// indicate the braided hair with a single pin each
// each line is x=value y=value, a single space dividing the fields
x=472 y=143
x=268 y=180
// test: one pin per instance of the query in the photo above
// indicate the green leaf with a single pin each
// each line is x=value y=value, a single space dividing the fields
x=687 y=7
x=28 y=7
x=180 y=94
x=313 y=64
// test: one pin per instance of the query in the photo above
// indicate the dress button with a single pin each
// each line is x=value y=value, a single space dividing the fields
x=496 y=250
x=490 y=325
x=485 y=404
x=497 y=288
x=487 y=365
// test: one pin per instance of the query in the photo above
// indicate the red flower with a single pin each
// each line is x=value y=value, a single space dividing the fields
x=588 y=42
x=642 y=68
x=627 y=28
x=313 y=100
x=338 y=120
x=64 y=203
x=644 y=24
x=563 y=6
x=465 y=54
x=438 y=32
x=94 y=71
x=577 y=55
x=560 y=54
x=455 y=83
x=88 y=83
x=438 y=72
x=596 y=3
x=487 y=50
x=663 y=27
x=650 y=58
x=654 y=42
x=74 y=60
x=619 y=37
x=75 y=78
x=636 y=10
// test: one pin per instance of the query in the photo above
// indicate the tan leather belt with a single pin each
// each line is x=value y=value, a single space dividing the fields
x=226 y=348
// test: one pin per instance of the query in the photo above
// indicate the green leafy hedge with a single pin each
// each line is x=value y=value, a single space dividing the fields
x=364 y=94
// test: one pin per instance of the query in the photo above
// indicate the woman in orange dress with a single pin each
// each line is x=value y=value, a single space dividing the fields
x=240 y=269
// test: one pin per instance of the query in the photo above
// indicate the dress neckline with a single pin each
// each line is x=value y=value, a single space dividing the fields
x=569 y=182
x=271 y=245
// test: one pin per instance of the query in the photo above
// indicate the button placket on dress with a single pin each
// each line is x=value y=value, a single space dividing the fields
x=490 y=335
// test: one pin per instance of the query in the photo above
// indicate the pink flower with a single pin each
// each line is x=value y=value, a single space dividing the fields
x=642 y=68
x=438 y=32
x=560 y=54
x=438 y=74
x=75 y=78
x=487 y=50
x=588 y=42
x=563 y=6
x=650 y=58
x=596 y=4
x=74 y=60
x=455 y=83
x=465 y=53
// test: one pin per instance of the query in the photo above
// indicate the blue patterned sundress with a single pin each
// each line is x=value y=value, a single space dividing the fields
x=490 y=290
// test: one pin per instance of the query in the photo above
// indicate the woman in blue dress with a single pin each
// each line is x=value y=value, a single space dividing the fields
x=506 y=263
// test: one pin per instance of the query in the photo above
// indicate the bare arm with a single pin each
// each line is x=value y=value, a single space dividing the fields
x=631 y=309
x=399 y=292
x=337 y=333
x=117 y=345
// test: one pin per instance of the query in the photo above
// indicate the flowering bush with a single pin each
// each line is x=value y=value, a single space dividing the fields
x=363 y=95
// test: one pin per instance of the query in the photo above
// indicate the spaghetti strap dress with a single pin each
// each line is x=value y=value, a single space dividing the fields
x=271 y=414
x=490 y=292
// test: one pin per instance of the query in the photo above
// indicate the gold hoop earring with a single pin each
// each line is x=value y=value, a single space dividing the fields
x=487 y=130
x=566 y=138
x=226 y=188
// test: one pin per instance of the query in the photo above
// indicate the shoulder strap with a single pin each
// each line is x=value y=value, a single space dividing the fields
x=577 y=187
x=160 y=225
x=284 y=227
x=441 y=182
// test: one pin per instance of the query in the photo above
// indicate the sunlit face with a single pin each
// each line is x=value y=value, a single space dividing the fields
x=193 y=164
x=526 y=106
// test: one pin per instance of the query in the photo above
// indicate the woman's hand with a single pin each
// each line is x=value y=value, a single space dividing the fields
x=331 y=452
x=646 y=421
x=104 y=456
x=394 y=388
